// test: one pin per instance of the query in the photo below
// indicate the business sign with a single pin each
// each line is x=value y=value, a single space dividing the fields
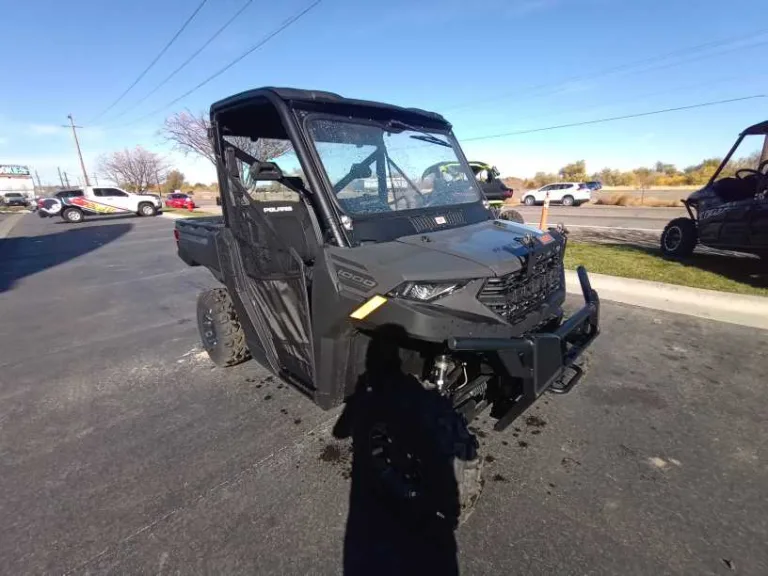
x=13 y=170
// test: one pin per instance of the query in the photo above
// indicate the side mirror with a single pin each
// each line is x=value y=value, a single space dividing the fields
x=265 y=171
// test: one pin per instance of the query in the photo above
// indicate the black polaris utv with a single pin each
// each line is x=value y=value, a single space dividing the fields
x=731 y=211
x=355 y=277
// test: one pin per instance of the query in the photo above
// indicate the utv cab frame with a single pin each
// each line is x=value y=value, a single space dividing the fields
x=478 y=301
x=731 y=211
x=355 y=275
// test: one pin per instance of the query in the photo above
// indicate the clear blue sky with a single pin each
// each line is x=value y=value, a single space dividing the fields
x=502 y=65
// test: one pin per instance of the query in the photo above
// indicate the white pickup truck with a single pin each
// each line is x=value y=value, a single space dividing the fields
x=75 y=205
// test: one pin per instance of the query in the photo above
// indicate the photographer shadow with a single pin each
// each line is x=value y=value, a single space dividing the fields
x=404 y=503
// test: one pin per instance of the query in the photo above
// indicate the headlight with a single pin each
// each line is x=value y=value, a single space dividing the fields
x=425 y=291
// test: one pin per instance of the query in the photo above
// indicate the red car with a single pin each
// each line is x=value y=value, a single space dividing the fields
x=183 y=201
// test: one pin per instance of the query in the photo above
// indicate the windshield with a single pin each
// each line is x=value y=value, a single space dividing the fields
x=375 y=169
x=745 y=160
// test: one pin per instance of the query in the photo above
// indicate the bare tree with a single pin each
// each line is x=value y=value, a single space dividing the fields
x=135 y=169
x=188 y=133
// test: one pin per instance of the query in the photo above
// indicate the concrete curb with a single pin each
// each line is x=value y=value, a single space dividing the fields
x=739 y=309
x=8 y=223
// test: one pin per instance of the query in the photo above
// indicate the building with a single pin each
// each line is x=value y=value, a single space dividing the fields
x=14 y=178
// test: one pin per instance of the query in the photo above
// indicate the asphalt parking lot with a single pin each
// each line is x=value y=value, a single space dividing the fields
x=123 y=450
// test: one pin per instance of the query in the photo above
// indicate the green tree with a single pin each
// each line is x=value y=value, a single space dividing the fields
x=645 y=177
x=699 y=174
x=667 y=169
x=173 y=181
x=575 y=171
x=544 y=178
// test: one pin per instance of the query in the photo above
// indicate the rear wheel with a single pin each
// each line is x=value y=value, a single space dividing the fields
x=147 y=209
x=567 y=201
x=72 y=215
x=679 y=238
x=220 y=330
x=529 y=200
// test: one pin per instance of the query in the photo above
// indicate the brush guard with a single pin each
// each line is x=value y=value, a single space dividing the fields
x=541 y=361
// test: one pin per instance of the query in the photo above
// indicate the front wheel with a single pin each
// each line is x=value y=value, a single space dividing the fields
x=529 y=200
x=417 y=452
x=220 y=329
x=147 y=209
x=679 y=238
x=72 y=215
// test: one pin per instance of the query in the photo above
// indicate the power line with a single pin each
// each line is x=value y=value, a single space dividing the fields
x=151 y=64
x=188 y=60
x=614 y=118
x=625 y=66
x=221 y=71
x=640 y=97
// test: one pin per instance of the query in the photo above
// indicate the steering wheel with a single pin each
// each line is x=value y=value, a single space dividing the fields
x=760 y=172
x=748 y=172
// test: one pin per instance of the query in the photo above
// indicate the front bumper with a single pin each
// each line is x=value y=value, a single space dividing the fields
x=541 y=360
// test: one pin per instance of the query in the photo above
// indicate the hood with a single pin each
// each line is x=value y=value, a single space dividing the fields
x=497 y=245
x=483 y=250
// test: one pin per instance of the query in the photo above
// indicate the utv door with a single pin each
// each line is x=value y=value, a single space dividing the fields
x=758 y=223
x=728 y=226
x=272 y=246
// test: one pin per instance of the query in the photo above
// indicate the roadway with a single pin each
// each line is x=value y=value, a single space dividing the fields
x=589 y=216
x=125 y=451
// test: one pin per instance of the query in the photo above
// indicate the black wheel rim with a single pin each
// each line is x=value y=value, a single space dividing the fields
x=673 y=238
x=208 y=332
x=395 y=466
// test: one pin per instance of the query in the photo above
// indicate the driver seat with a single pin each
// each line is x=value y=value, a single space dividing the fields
x=735 y=189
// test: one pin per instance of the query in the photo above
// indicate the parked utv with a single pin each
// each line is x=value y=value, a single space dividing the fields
x=731 y=211
x=356 y=277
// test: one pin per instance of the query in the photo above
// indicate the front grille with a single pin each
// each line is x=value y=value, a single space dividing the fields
x=438 y=221
x=515 y=295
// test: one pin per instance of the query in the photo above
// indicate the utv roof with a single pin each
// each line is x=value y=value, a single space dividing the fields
x=760 y=128
x=326 y=102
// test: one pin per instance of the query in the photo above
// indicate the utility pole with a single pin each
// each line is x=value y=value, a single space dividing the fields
x=37 y=177
x=159 y=188
x=66 y=179
x=61 y=180
x=96 y=179
x=77 y=145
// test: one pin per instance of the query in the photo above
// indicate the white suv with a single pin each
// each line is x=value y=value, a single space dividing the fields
x=565 y=193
